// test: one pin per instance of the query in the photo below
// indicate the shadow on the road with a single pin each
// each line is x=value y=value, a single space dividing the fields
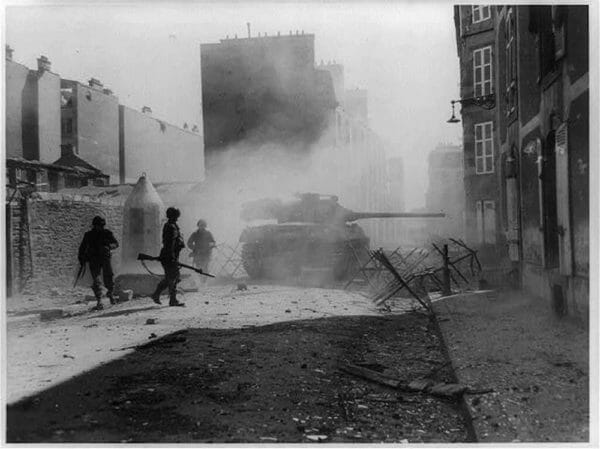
x=125 y=311
x=251 y=385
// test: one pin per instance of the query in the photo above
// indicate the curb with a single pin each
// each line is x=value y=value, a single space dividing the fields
x=472 y=436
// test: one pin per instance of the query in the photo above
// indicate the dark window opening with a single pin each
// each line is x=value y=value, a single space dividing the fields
x=550 y=217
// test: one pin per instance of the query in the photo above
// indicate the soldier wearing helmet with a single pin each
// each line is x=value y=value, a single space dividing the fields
x=172 y=244
x=95 y=250
x=201 y=242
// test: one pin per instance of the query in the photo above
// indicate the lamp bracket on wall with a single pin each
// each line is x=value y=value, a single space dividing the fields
x=485 y=102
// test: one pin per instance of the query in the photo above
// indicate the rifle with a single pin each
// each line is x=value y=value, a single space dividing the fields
x=142 y=256
x=80 y=274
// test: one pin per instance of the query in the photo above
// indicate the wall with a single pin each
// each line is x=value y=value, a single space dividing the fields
x=96 y=127
x=47 y=248
x=164 y=152
x=16 y=79
x=48 y=92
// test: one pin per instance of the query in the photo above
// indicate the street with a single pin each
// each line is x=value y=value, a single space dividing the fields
x=255 y=366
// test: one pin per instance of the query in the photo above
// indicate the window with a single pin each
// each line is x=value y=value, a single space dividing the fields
x=486 y=221
x=484 y=148
x=511 y=63
x=482 y=71
x=480 y=13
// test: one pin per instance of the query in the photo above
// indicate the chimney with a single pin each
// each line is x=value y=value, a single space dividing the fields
x=9 y=53
x=43 y=64
x=67 y=150
x=147 y=110
x=248 y=25
x=93 y=82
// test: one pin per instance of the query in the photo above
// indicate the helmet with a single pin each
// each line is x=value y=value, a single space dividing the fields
x=98 y=220
x=201 y=223
x=173 y=212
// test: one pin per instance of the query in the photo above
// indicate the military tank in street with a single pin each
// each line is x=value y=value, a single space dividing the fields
x=311 y=232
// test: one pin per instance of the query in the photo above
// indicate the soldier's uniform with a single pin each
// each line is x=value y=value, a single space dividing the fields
x=201 y=242
x=95 y=250
x=172 y=244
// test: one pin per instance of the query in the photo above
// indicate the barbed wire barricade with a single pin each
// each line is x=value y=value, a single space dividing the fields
x=227 y=262
x=414 y=273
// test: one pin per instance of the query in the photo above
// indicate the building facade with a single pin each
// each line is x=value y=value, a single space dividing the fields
x=165 y=152
x=446 y=191
x=70 y=124
x=263 y=89
x=539 y=75
x=476 y=44
x=90 y=123
x=543 y=116
x=32 y=111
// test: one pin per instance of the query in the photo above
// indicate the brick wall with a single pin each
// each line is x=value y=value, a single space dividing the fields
x=56 y=224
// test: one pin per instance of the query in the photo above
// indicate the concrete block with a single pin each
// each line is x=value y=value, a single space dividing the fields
x=139 y=284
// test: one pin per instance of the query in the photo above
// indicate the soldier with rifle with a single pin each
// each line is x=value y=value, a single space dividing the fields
x=172 y=244
x=95 y=250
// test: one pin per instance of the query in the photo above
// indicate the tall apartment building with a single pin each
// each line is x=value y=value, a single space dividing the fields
x=32 y=111
x=476 y=44
x=536 y=136
x=263 y=89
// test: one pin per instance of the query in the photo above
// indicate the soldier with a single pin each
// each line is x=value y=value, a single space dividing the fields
x=95 y=249
x=172 y=242
x=201 y=242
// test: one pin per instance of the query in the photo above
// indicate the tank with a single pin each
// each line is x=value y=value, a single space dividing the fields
x=313 y=232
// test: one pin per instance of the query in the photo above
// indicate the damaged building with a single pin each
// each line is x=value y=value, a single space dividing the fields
x=525 y=110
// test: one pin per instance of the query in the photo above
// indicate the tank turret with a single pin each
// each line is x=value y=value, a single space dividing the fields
x=315 y=208
x=312 y=231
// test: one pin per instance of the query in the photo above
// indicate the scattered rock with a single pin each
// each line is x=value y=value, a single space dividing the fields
x=316 y=437
x=288 y=311
x=152 y=335
x=420 y=384
x=151 y=321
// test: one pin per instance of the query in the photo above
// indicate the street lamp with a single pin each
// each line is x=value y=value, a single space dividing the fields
x=485 y=102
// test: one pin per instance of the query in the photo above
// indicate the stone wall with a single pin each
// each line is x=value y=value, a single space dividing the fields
x=47 y=243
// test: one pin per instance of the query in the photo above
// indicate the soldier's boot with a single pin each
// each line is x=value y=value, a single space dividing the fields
x=156 y=297
x=98 y=305
x=111 y=298
x=174 y=303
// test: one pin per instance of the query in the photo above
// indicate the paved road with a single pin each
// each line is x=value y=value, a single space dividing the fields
x=44 y=353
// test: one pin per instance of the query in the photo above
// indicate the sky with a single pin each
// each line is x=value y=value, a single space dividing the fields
x=402 y=52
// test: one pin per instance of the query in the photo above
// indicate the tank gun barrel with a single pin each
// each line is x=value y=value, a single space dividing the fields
x=352 y=216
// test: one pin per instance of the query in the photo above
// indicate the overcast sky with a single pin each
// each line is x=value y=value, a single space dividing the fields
x=403 y=53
